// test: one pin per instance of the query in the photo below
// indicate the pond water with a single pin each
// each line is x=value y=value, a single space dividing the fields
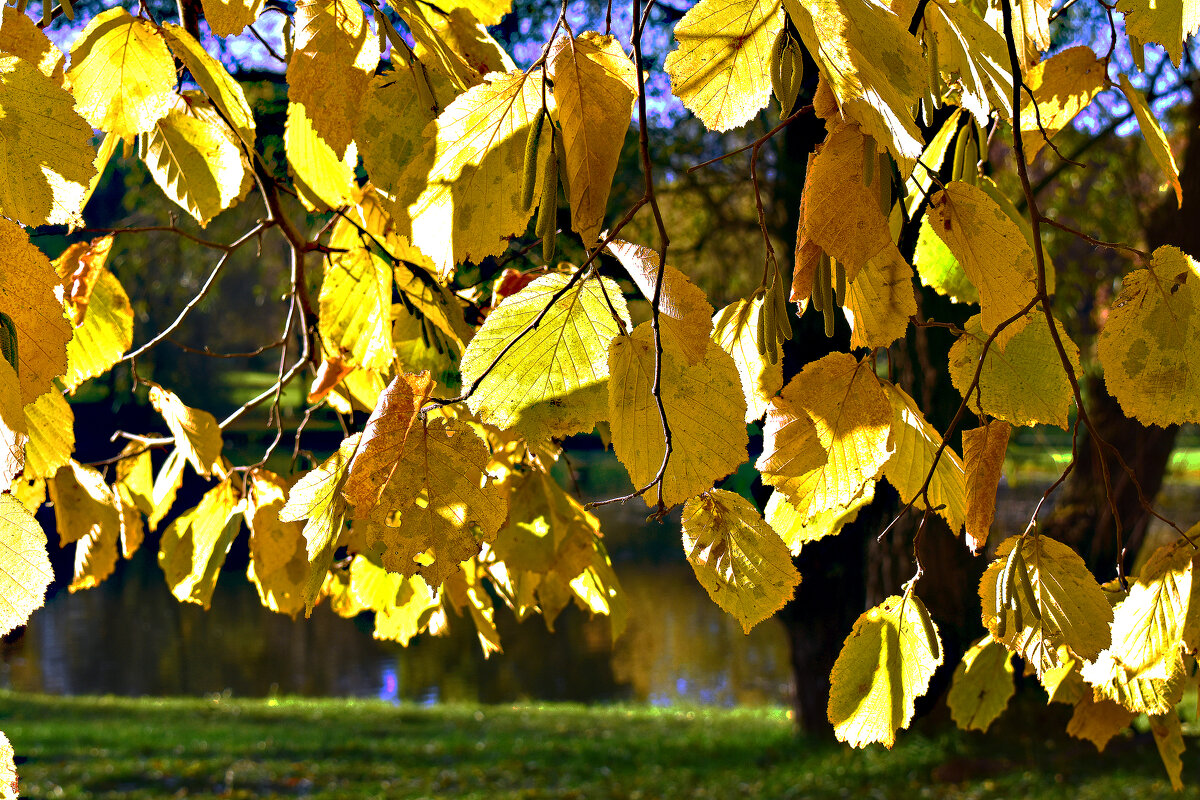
x=130 y=637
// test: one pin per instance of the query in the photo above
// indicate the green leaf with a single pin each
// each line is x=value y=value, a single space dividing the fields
x=982 y=685
x=46 y=147
x=122 y=73
x=719 y=70
x=884 y=666
x=1150 y=353
x=551 y=381
x=738 y=558
x=25 y=570
x=595 y=85
x=1023 y=382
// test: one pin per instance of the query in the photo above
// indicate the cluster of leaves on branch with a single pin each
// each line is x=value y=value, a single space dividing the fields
x=417 y=146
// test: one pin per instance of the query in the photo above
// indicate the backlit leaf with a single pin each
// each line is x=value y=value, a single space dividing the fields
x=787 y=520
x=122 y=73
x=333 y=60
x=1152 y=132
x=323 y=179
x=827 y=434
x=704 y=409
x=915 y=442
x=356 y=297
x=719 y=70
x=738 y=558
x=880 y=301
x=84 y=505
x=20 y=36
x=1148 y=625
x=383 y=439
x=983 y=458
x=471 y=172
x=1150 y=353
x=1155 y=691
x=25 y=570
x=196 y=432
x=278 y=557
x=551 y=381
x=982 y=686
x=1168 y=23
x=884 y=666
x=220 y=87
x=991 y=249
x=45 y=145
x=196 y=159
x=1098 y=720
x=974 y=54
x=1022 y=383
x=194 y=546
x=595 y=85
x=1063 y=85
x=1067 y=606
x=873 y=66
x=390 y=125
x=99 y=308
x=27 y=295
x=1168 y=736
x=51 y=441
x=230 y=17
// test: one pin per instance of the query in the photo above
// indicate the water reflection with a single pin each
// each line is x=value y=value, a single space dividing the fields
x=129 y=637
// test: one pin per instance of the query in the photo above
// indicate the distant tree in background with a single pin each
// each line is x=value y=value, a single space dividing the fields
x=469 y=264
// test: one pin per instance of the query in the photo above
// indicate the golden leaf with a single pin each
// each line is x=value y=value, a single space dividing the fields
x=982 y=685
x=194 y=546
x=323 y=179
x=915 y=442
x=196 y=432
x=220 y=87
x=25 y=570
x=1152 y=132
x=383 y=439
x=1098 y=720
x=787 y=520
x=734 y=329
x=983 y=456
x=1063 y=85
x=230 y=17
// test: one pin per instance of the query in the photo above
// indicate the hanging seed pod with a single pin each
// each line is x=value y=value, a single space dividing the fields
x=547 y=220
x=926 y=625
x=817 y=295
x=869 y=159
x=787 y=71
x=971 y=158
x=8 y=341
x=68 y=9
x=760 y=329
x=1027 y=587
x=827 y=296
x=839 y=279
x=770 y=328
x=884 y=176
x=960 y=153
x=936 y=88
x=529 y=167
x=782 y=320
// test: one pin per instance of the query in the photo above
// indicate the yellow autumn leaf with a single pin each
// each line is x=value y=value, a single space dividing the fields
x=278 y=557
x=884 y=666
x=1098 y=720
x=27 y=295
x=704 y=409
x=1150 y=355
x=439 y=505
x=921 y=180
x=595 y=85
x=1031 y=29
x=1149 y=624
x=597 y=590
x=103 y=336
x=873 y=66
x=25 y=570
x=983 y=459
x=196 y=432
x=465 y=589
x=460 y=32
x=20 y=36
x=982 y=685
x=166 y=485
x=738 y=558
x=133 y=529
x=1152 y=132
x=734 y=329
x=122 y=73
x=1067 y=606
x=194 y=546
x=51 y=425
x=880 y=301
x=210 y=74
x=323 y=179
x=96 y=554
x=432 y=46
x=1168 y=22
x=1063 y=85
x=356 y=297
x=84 y=505
x=333 y=59
x=787 y=520
x=135 y=476
x=827 y=435
x=383 y=439
x=46 y=145
x=991 y=249
x=317 y=498
x=1064 y=683
x=12 y=425
x=196 y=159
x=1024 y=382
x=838 y=213
x=1155 y=691
x=550 y=380
x=1168 y=737
x=975 y=55
x=720 y=68
x=230 y=17
x=470 y=171
x=915 y=442
x=685 y=315
x=8 y=769
x=402 y=605
x=389 y=127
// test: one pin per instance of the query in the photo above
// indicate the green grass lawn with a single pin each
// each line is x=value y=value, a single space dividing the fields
x=122 y=748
